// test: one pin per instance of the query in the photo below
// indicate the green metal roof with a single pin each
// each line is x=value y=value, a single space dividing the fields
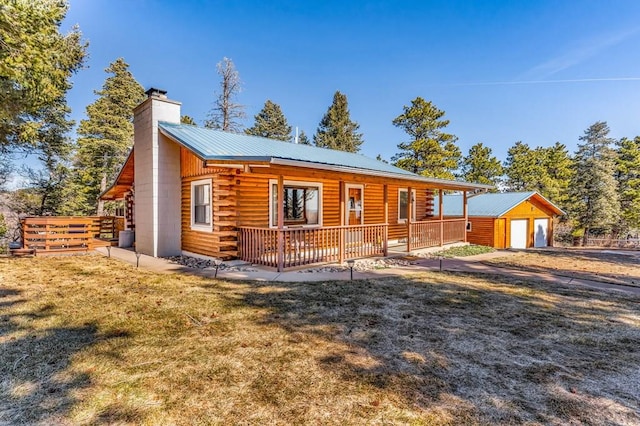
x=217 y=145
x=488 y=204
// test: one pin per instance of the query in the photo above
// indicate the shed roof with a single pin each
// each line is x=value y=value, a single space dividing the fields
x=217 y=145
x=491 y=204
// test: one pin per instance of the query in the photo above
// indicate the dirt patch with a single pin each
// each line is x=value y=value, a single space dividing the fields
x=610 y=266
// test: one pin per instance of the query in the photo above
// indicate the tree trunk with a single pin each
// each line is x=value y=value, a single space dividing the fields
x=585 y=237
x=103 y=186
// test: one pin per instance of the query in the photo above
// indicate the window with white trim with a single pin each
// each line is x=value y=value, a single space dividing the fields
x=302 y=203
x=403 y=204
x=201 y=218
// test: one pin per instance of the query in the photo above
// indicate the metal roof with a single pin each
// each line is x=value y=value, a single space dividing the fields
x=217 y=145
x=489 y=204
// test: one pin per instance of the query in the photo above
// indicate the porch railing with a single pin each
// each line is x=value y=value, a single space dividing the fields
x=67 y=233
x=432 y=233
x=304 y=246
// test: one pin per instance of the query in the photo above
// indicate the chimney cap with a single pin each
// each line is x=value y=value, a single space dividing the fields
x=156 y=93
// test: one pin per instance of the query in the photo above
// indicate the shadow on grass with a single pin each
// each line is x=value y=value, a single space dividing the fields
x=488 y=349
x=37 y=384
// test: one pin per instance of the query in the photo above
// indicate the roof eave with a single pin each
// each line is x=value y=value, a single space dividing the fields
x=115 y=181
x=439 y=182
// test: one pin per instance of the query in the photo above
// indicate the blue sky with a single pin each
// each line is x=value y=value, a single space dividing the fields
x=503 y=71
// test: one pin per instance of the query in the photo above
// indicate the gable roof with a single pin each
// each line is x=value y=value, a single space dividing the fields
x=210 y=144
x=123 y=182
x=491 y=204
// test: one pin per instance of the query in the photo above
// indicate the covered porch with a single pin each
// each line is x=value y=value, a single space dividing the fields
x=288 y=245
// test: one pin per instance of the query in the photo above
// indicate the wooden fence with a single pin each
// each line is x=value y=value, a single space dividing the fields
x=294 y=247
x=629 y=243
x=56 y=234
x=432 y=233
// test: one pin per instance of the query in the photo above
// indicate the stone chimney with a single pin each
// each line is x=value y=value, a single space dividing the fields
x=157 y=177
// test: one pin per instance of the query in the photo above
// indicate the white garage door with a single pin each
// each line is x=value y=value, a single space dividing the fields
x=541 y=230
x=519 y=233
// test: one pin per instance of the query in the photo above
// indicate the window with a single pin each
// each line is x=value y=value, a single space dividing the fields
x=201 y=205
x=403 y=204
x=302 y=203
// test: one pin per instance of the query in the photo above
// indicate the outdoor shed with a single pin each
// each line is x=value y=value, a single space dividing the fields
x=506 y=220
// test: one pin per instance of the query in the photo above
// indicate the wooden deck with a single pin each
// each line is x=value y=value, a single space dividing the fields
x=295 y=247
x=66 y=234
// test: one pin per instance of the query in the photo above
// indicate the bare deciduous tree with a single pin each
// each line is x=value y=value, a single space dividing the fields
x=226 y=113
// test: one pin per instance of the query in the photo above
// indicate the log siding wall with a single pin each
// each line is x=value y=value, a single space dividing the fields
x=241 y=199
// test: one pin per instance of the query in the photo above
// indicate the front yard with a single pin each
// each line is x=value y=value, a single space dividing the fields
x=611 y=266
x=90 y=340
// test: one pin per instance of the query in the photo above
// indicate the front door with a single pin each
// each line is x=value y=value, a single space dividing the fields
x=355 y=204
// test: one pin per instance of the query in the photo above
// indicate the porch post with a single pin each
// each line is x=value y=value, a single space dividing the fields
x=342 y=222
x=441 y=215
x=409 y=211
x=385 y=234
x=280 y=223
x=464 y=213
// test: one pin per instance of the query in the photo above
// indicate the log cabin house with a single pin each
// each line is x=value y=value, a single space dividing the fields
x=191 y=190
x=505 y=220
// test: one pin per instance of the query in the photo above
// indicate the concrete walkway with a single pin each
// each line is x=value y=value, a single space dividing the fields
x=473 y=264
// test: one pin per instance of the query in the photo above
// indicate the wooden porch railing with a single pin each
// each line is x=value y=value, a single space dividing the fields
x=430 y=233
x=66 y=233
x=304 y=246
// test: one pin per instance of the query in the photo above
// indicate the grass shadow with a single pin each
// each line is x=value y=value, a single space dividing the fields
x=489 y=349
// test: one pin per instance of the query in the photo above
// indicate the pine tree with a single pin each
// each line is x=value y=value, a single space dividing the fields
x=303 y=139
x=336 y=130
x=48 y=183
x=523 y=168
x=185 y=119
x=480 y=166
x=628 y=177
x=430 y=152
x=227 y=114
x=271 y=123
x=36 y=63
x=105 y=137
x=558 y=168
x=594 y=188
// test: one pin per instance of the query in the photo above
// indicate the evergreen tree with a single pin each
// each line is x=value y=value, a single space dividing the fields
x=227 y=113
x=106 y=136
x=594 y=188
x=523 y=168
x=546 y=170
x=480 y=166
x=336 y=130
x=430 y=152
x=36 y=62
x=271 y=123
x=558 y=173
x=47 y=184
x=185 y=119
x=379 y=158
x=628 y=177
x=303 y=139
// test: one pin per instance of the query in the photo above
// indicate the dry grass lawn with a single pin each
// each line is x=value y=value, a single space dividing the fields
x=612 y=266
x=90 y=340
